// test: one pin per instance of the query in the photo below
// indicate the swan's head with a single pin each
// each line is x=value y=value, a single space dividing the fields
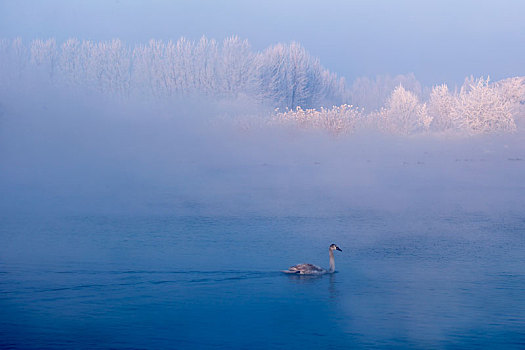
x=335 y=247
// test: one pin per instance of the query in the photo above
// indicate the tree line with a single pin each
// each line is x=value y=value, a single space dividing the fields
x=283 y=75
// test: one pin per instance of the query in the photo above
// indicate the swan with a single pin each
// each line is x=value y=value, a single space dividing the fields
x=309 y=269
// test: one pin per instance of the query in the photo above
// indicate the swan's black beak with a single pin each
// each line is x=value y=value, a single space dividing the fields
x=338 y=249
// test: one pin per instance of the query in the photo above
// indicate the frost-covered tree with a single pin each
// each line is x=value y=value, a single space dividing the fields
x=440 y=109
x=288 y=76
x=149 y=74
x=173 y=71
x=112 y=67
x=481 y=108
x=71 y=64
x=44 y=56
x=513 y=91
x=206 y=57
x=14 y=59
x=236 y=67
x=187 y=67
x=404 y=114
x=273 y=77
x=333 y=90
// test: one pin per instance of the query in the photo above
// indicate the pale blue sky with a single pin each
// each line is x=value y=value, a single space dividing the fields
x=440 y=41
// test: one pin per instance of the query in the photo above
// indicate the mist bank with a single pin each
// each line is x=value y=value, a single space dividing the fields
x=283 y=76
x=64 y=153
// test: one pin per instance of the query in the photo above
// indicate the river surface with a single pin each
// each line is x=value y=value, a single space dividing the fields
x=405 y=279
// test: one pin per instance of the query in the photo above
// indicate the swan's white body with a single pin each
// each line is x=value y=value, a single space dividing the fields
x=309 y=269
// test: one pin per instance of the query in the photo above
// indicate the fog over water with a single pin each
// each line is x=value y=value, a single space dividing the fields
x=64 y=152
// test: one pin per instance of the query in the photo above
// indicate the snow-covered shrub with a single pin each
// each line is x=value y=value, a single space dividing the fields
x=337 y=120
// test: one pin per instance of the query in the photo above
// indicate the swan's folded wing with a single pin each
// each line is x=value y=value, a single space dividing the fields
x=304 y=268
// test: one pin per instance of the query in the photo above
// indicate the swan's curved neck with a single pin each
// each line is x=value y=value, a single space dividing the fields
x=332 y=261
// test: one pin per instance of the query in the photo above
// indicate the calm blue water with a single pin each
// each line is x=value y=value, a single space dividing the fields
x=405 y=279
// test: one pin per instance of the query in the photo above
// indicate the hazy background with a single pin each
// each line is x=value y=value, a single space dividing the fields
x=440 y=41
